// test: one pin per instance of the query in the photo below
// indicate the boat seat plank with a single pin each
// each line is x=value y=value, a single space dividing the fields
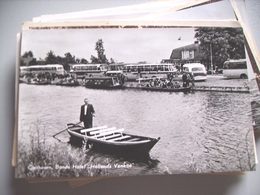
x=110 y=136
x=138 y=142
x=93 y=129
x=110 y=132
x=102 y=130
x=134 y=139
x=120 y=138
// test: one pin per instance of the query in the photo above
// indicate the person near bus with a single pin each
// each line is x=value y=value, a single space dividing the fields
x=191 y=78
x=185 y=82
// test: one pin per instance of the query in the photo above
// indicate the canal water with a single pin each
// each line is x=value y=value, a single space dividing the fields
x=200 y=132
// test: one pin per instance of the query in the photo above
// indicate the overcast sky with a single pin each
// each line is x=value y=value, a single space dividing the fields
x=123 y=45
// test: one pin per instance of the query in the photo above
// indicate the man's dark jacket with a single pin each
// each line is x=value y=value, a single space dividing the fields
x=88 y=117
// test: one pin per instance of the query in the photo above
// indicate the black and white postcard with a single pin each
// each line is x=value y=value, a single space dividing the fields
x=116 y=101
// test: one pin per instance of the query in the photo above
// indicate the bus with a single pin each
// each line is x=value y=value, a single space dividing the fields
x=87 y=69
x=197 y=69
x=36 y=69
x=235 y=69
x=135 y=71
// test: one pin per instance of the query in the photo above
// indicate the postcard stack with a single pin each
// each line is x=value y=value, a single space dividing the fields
x=159 y=88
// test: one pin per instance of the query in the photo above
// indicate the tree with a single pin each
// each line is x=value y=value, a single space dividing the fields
x=94 y=60
x=77 y=60
x=112 y=61
x=22 y=63
x=222 y=43
x=33 y=62
x=69 y=59
x=83 y=61
x=27 y=59
x=60 y=60
x=28 y=54
x=51 y=58
x=102 y=59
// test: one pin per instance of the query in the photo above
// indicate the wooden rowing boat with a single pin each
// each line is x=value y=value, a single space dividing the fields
x=180 y=89
x=112 y=140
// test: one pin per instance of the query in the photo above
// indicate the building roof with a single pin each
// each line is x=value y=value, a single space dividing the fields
x=187 y=47
x=176 y=53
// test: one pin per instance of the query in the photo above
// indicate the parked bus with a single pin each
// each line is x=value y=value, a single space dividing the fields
x=87 y=69
x=198 y=70
x=36 y=69
x=134 y=71
x=235 y=69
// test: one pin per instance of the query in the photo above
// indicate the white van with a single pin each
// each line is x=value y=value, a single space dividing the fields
x=198 y=70
x=235 y=69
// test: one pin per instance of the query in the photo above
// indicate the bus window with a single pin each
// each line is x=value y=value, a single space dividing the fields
x=160 y=68
x=240 y=66
x=155 y=68
x=235 y=65
x=225 y=66
x=147 y=68
x=133 y=69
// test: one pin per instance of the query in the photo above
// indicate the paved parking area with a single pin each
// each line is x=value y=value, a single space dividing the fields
x=219 y=80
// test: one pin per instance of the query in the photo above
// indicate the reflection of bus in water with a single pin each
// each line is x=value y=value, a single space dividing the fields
x=235 y=69
x=87 y=69
x=36 y=69
x=134 y=71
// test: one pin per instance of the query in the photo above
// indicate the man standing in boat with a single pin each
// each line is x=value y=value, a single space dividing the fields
x=86 y=114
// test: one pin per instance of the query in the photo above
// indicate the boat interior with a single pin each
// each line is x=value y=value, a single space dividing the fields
x=104 y=133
